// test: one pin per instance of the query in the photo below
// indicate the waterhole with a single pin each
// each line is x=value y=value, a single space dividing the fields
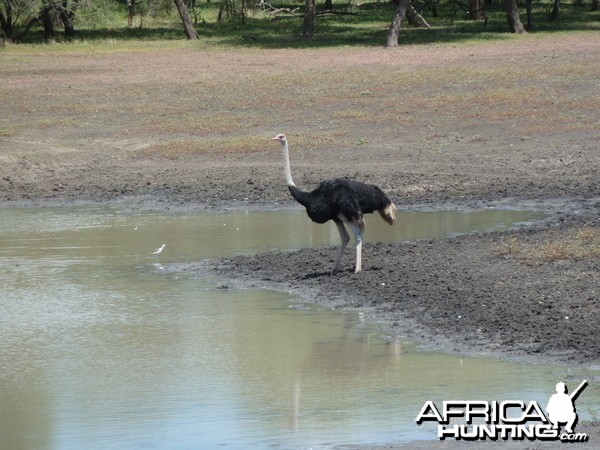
x=100 y=347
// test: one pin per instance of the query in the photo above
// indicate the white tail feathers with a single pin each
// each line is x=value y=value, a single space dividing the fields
x=389 y=213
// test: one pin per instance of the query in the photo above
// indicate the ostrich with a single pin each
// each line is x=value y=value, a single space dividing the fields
x=342 y=200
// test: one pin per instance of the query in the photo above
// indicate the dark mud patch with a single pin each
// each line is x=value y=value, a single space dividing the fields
x=460 y=295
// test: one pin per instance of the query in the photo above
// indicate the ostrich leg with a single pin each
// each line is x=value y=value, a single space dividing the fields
x=345 y=239
x=357 y=231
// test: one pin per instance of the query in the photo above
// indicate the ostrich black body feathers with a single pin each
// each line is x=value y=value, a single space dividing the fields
x=341 y=199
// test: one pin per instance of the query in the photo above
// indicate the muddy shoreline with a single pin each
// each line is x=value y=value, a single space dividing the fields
x=458 y=295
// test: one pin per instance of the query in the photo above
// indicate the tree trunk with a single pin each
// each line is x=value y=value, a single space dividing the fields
x=528 y=6
x=477 y=10
x=416 y=19
x=47 y=23
x=555 y=9
x=308 y=26
x=190 y=31
x=328 y=5
x=66 y=16
x=512 y=13
x=432 y=5
x=7 y=22
x=130 y=12
x=594 y=5
x=394 y=32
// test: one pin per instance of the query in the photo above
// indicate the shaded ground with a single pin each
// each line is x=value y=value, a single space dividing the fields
x=439 y=125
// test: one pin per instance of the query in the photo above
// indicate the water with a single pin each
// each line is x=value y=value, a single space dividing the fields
x=100 y=347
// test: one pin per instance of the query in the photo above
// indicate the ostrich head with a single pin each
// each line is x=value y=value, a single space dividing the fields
x=281 y=138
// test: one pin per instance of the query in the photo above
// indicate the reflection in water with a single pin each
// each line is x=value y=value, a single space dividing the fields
x=103 y=348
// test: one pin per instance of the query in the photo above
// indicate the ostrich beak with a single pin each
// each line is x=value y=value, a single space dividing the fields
x=276 y=138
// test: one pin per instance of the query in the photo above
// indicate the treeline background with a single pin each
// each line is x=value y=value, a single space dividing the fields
x=289 y=23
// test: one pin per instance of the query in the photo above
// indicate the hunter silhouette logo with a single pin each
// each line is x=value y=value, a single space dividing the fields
x=561 y=406
x=509 y=419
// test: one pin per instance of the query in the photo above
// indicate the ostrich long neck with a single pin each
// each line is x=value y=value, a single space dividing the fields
x=286 y=165
x=300 y=196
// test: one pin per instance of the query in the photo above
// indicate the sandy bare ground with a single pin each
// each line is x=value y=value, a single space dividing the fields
x=190 y=127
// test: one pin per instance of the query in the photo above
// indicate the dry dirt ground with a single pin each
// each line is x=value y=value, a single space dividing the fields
x=512 y=122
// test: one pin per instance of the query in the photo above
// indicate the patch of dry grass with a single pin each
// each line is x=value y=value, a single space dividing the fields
x=186 y=123
x=577 y=244
x=321 y=98
x=223 y=145
x=8 y=130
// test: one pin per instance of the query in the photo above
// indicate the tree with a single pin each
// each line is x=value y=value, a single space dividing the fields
x=477 y=9
x=308 y=25
x=14 y=12
x=6 y=19
x=130 y=12
x=529 y=9
x=512 y=13
x=66 y=12
x=555 y=10
x=47 y=21
x=46 y=12
x=190 y=31
x=394 y=32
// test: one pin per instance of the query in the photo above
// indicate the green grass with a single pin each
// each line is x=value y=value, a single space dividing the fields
x=366 y=27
